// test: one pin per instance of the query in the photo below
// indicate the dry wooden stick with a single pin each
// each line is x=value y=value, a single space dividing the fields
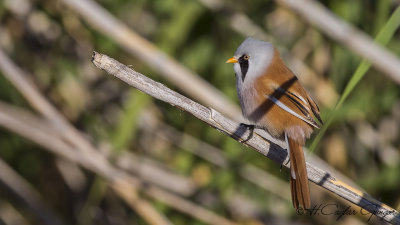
x=257 y=141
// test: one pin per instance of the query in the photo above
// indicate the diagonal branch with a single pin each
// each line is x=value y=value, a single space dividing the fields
x=265 y=145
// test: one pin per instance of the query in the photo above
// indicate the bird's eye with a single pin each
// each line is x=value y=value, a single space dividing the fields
x=246 y=57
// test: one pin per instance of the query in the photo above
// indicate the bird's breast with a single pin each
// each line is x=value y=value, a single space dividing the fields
x=248 y=99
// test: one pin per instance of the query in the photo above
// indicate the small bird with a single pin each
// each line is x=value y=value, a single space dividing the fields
x=272 y=98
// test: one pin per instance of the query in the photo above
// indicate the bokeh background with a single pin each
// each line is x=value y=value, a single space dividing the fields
x=186 y=171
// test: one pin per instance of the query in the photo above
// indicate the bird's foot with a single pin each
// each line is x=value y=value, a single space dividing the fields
x=250 y=128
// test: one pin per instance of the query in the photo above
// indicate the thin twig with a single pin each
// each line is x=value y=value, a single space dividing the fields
x=346 y=34
x=258 y=141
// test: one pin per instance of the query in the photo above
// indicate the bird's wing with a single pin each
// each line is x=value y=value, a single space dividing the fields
x=300 y=106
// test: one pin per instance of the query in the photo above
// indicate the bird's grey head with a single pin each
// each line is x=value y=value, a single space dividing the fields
x=252 y=58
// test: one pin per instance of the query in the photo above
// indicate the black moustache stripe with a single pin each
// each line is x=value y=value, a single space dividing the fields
x=244 y=66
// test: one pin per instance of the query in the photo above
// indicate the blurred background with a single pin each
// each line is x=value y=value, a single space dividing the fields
x=70 y=134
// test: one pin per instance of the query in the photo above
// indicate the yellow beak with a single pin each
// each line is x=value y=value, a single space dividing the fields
x=232 y=60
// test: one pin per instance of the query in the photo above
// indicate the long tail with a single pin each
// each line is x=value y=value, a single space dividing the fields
x=298 y=175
